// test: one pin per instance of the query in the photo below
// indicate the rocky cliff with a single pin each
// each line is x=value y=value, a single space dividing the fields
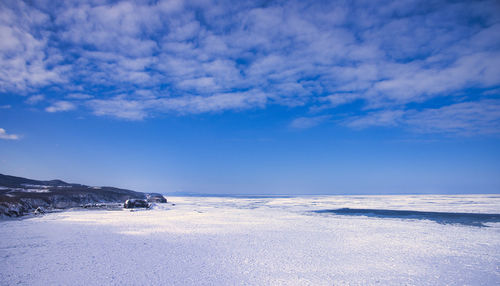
x=20 y=196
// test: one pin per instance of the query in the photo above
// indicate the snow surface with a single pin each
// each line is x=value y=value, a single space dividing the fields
x=255 y=241
x=36 y=186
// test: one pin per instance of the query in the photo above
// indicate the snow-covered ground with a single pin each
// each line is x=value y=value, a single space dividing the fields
x=259 y=241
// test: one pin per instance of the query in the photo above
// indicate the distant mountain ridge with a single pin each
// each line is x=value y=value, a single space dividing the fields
x=19 y=196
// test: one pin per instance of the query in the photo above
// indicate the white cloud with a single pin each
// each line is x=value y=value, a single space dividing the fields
x=212 y=56
x=4 y=135
x=24 y=50
x=59 y=106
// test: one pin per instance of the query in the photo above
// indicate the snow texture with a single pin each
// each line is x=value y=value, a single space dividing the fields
x=257 y=241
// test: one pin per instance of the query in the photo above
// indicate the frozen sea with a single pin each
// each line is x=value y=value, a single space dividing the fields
x=314 y=240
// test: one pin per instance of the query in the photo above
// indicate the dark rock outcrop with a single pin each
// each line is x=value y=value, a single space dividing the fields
x=136 y=203
x=12 y=209
x=156 y=198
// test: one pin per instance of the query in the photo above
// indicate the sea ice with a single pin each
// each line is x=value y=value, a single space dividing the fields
x=256 y=241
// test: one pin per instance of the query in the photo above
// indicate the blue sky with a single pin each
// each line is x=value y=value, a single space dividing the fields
x=254 y=97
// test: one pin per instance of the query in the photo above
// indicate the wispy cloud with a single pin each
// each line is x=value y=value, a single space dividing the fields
x=118 y=107
x=465 y=118
x=78 y=96
x=59 y=106
x=34 y=99
x=139 y=108
x=377 y=118
x=213 y=56
x=4 y=135
x=308 y=122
